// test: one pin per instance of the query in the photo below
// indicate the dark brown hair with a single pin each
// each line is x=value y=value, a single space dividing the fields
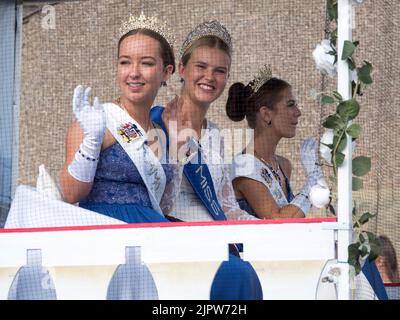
x=242 y=102
x=208 y=41
x=390 y=258
x=167 y=53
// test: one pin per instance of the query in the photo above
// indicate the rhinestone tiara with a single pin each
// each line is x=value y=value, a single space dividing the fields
x=150 y=23
x=207 y=28
x=264 y=74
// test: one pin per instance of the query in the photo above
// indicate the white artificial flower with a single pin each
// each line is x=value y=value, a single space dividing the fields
x=324 y=60
x=319 y=194
x=324 y=151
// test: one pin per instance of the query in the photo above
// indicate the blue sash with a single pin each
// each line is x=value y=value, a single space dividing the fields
x=197 y=174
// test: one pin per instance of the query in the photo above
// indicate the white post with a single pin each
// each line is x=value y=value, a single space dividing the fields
x=17 y=92
x=344 y=208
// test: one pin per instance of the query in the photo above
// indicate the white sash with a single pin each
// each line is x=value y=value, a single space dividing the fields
x=131 y=136
x=246 y=165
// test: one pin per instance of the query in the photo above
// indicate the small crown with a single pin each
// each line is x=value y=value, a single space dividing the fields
x=264 y=74
x=207 y=28
x=150 y=23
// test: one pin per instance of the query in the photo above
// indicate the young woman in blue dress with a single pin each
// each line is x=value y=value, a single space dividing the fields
x=110 y=167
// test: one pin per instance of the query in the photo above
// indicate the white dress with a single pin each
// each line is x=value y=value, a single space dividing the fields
x=188 y=206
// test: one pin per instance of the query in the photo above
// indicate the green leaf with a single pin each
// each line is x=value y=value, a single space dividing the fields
x=364 y=251
x=376 y=250
x=337 y=95
x=336 y=135
x=357 y=184
x=333 y=122
x=348 y=49
x=362 y=239
x=365 y=218
x=339 y=159
x=332 y=10
x=374 y=253
x=360 y=88
x=357 y=267
x=353 y=87
x=361 y=166
x=332 y=209
x=368 y=64
x=353 y=251
x=364 y=73
x=327 y=100
x=351 y=63
x=371 y=236
x=348 y=109
x=354 y=255
x=333 y=37
x=354 y=131
x=330 y=146
x=342 y=144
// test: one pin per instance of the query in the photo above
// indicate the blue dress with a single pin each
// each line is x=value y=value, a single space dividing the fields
x=119 y=191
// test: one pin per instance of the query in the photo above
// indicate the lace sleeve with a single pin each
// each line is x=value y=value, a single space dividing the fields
x=171 y=191
x=226 y=197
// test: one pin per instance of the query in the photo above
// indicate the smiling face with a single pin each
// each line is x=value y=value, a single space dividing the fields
x=205 y=75
x=140 y=69
x=285 y=115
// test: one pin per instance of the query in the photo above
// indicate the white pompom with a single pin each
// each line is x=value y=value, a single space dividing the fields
x=319 y=194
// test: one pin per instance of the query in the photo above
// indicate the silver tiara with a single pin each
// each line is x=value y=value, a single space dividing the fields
x=264 y=74
x=208 y=28
x=149 y=23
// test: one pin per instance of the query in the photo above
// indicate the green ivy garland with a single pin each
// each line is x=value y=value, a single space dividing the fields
x=366 y=244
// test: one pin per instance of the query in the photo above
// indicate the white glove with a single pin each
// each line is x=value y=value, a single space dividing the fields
x=93 y=123
x=309 y=159
x=91 y=119
x=302 y=199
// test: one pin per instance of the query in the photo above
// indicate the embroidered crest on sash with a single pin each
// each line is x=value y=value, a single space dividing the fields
x=261 y=173
x=129 y=132
x=266 y=175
